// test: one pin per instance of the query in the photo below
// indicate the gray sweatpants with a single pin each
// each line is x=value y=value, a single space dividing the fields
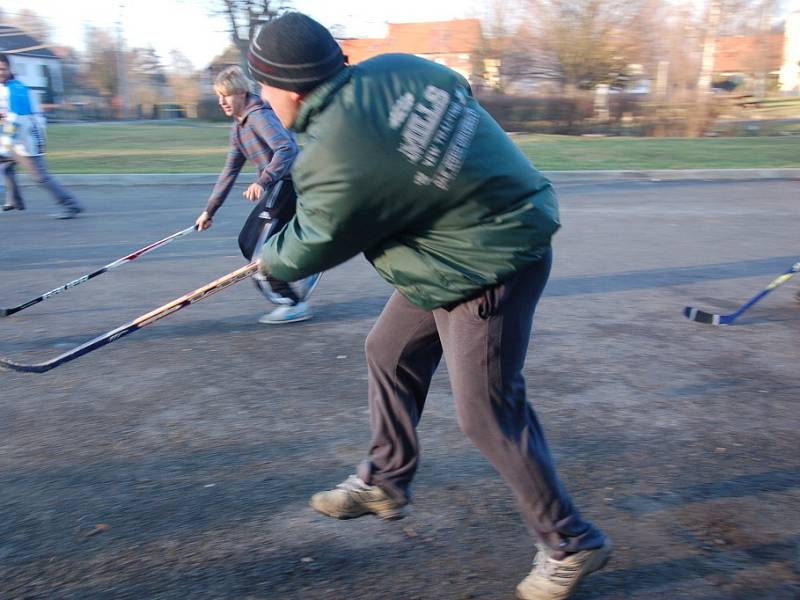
x=484 y=341
x=37 y=167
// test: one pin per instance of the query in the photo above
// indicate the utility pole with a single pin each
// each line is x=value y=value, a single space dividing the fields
x=122 y=67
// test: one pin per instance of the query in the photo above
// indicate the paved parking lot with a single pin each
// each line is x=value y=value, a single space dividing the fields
x=177 y=462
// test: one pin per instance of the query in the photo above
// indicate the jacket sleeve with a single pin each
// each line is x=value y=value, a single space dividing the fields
x=280 y=141
x=233 y=165
x=342 y=209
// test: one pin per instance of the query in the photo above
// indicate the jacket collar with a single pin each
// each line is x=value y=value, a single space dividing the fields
x=319 y=98
x=252 y=102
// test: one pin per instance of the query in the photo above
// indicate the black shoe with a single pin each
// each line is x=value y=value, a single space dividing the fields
x=69 y=213
x=12 y=207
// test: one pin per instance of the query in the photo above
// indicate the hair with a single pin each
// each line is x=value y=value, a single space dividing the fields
x=232 y=80
x=4 y=59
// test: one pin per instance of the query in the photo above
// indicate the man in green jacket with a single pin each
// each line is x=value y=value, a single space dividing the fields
x=401 y=163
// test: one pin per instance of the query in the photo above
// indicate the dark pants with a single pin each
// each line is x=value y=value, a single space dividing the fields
x=484 y=341
x=37 y=167
x=276 y=206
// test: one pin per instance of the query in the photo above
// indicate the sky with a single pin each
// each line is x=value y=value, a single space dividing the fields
x=191 y=27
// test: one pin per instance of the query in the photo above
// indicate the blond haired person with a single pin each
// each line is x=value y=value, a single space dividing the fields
x=258 y=136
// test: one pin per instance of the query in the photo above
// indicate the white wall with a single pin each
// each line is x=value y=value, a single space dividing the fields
x=789 y=79
x=28 y=69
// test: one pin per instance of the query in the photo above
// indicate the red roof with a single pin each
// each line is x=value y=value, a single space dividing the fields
x=358 y=50
x=749 y=53
x=459 y=36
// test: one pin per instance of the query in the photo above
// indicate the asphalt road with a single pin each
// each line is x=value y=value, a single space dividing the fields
x=177 y=462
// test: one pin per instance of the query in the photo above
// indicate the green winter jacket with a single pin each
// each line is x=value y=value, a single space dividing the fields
x=401 y=163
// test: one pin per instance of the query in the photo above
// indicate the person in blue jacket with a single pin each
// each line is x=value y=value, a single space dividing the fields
x=22 y=142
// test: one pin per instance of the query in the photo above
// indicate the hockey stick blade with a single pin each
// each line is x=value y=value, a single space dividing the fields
x=701 y=316
x=138 y=323
x=5 y=312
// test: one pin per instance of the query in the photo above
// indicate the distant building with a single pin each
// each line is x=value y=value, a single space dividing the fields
x=230 y=57
x=773 y=56
x=749 y=56
x=33 y=63
x=455 y=44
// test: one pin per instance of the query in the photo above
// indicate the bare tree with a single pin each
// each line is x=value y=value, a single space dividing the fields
x=713 y=17
x=586 y=38
x=33 y=24
x=147 y=80
x=641 y=34
x=767 y=10
x=183 y=81
x=246 y=16
x=682 y=38
x=100 y=61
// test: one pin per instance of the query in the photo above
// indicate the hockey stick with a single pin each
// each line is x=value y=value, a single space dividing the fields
x=139 y=322
x=4 y=312
x=700 y=316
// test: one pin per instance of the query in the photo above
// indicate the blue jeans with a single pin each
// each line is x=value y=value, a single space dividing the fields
x=37 y=167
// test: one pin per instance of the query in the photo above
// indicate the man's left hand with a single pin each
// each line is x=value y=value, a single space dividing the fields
x=254 y=192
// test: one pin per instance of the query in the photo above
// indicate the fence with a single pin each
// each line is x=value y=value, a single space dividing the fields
x=104 y=111
x=579 y=113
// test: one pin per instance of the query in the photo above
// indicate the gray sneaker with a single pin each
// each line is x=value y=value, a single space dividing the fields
x=353 y=498
x=552 y=579
x=69 y=212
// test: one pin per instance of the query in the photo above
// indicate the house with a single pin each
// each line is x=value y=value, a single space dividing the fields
x=230 y=57
x=775 y=56
x=33 y=63
x=455 y=44
x=749 y=56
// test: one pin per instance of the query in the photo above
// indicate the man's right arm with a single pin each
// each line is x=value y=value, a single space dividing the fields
x=233 y=165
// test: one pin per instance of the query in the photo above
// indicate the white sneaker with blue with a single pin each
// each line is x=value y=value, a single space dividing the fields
x=287 y=314
x=304 y=287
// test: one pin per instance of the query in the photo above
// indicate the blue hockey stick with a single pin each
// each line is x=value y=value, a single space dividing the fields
x=695 y=314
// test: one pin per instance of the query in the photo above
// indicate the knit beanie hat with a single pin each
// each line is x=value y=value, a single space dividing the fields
x=294 y=53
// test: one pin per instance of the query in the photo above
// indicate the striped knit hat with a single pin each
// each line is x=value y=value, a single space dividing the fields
x=295 y=53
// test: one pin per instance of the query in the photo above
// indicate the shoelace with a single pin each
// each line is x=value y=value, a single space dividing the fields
x=559 y=572
x=353 y=484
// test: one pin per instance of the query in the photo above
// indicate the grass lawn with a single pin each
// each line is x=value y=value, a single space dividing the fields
x=149 y=147
x=196 y=147
x=556 y=153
